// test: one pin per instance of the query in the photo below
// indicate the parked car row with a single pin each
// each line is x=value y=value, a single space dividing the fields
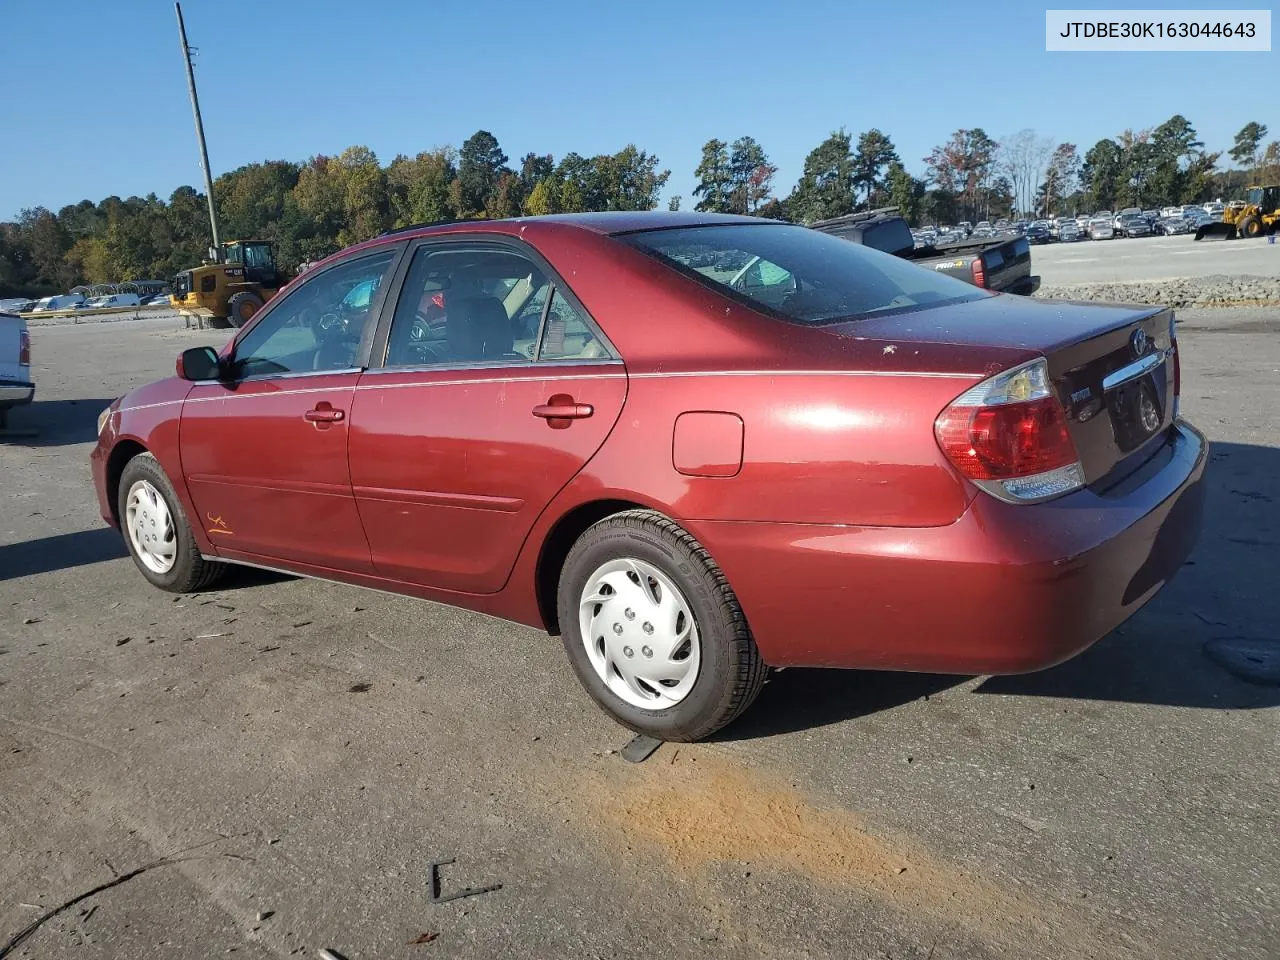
x=1102 y=225
x=78 y=301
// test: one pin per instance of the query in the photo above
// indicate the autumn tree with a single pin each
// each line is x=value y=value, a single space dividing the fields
x=48 y=242
x=1061 y=177
x=418 y=187
x=963 y=167
x=750 y=175
x=873 y=155
x=826 y=187
x=534 y=168
x=251 y=199
x=541 y=199
x=480 y=164
x=776 y=208
x=506 y=198
x=905 y=192
x=715 y=178
x=1246 y=148
x=629 y=180
x=939 y=206
x=1268 y=170
x=1022 y=159
x=1102 y=175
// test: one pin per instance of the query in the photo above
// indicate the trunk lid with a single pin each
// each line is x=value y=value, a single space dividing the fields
x=1112 y=366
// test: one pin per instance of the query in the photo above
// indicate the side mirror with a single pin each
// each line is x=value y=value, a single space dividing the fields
x=199 y=363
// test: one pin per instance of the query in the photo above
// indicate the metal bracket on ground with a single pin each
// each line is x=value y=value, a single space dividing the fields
x=433 y=878
x=640 y=748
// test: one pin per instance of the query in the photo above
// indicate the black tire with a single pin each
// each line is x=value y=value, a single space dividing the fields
x=731 y=672
x=242 y=306
x=1249 y=227
x=190 y=571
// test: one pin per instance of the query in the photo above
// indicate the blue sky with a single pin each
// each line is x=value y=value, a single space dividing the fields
x=94 y=98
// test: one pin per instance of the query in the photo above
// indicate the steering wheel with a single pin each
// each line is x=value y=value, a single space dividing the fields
x=330 y=320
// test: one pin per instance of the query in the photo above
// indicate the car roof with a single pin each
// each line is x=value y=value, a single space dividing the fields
x=602 y=222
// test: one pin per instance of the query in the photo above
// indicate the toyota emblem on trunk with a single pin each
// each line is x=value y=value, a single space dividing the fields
x=1139 y=342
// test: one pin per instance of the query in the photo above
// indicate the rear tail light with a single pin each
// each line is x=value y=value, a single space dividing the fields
x=979 y=272
x=24 y=349
x=1009 y=436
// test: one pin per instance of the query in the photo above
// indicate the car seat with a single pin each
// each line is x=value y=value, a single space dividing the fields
x=478 y=329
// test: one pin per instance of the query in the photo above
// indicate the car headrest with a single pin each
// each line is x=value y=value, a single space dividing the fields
x=478 y=328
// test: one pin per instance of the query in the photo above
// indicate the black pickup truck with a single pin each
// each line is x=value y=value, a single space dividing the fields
x=1002 y=263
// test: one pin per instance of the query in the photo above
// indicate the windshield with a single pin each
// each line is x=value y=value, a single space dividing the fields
x=800 y=274
x=256 y=255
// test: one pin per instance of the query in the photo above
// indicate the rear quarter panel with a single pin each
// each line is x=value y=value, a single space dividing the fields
x=853 y=448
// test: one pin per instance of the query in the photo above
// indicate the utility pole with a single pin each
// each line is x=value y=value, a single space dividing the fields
x=204 y=151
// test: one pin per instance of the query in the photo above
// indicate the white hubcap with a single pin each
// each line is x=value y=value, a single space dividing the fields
x=150 y=527
x=639 y=634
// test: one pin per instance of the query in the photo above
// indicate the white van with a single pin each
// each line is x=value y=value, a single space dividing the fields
x=112 y=300
x=66 y=301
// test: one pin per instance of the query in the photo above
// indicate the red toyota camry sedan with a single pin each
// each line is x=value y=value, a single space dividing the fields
x=696 y=447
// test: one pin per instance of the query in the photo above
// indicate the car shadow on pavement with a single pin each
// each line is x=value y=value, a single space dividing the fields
x=60 y=552
x=239 y=577
x=1210 y=638
x=54 y=423
x=64 y=551
x=804 y=699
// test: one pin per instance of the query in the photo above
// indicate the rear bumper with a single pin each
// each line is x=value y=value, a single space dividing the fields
x=1025 y=286
x=1005 y=589
x=15 y=394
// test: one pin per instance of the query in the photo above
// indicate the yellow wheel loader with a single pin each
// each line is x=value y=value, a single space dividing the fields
x=1257 y=216
x=231 y=289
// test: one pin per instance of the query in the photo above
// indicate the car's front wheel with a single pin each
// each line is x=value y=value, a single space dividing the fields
x=653 y=629
x=156 y=530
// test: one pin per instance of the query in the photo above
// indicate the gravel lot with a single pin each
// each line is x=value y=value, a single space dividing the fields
x=1212 y=291
x=1152 y=258
x=303 y=751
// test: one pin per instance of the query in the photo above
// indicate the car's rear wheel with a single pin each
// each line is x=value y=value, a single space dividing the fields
x=156 y=530
x=653 y=629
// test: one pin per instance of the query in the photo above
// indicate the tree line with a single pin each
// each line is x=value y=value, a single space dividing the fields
x=314 y=208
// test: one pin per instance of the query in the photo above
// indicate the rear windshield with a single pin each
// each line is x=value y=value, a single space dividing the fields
x=800 y=274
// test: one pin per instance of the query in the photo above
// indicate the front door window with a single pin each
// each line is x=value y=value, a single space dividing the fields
x=317 y=328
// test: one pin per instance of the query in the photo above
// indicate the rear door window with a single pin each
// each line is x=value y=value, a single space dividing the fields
x=569 y=335
x=462 y=305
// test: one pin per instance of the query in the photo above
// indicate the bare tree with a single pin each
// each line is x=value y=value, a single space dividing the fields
x=1022 y=159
